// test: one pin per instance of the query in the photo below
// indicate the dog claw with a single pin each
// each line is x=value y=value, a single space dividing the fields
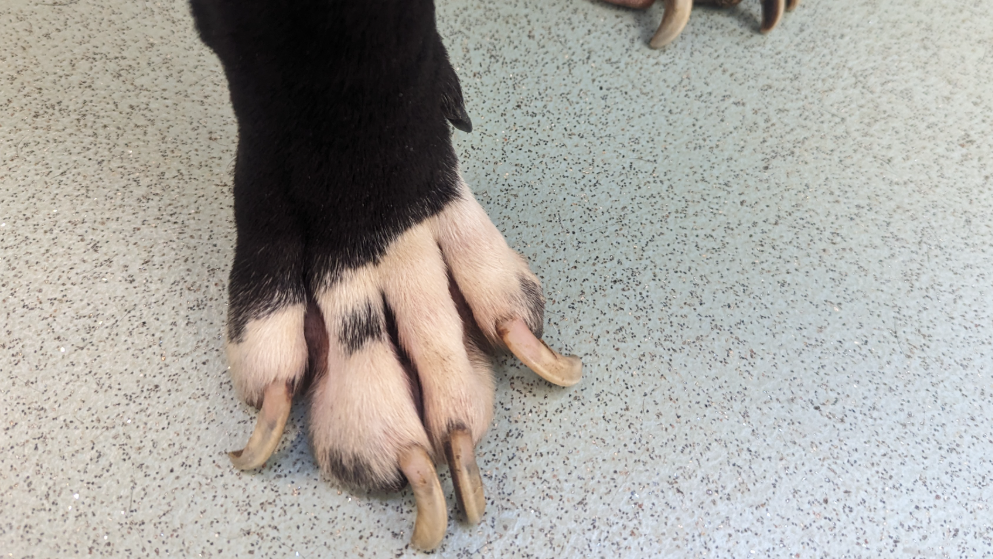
x=563 y=370
x=674 y=19
x=677 y=13
x=268 y=429
x=465 y=475
x=432 y=514
x=772 y=12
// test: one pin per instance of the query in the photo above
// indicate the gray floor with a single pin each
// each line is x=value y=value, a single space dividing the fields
x=774 y=254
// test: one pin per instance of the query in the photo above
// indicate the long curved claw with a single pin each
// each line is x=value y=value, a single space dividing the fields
x=268 y=429
x=432 y=515
x=674 y=18
x=563 y=370
x=465 y=475
x=772 y=12
x=791 y=5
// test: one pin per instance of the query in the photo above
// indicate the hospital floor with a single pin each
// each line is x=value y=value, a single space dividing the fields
x=774 y=255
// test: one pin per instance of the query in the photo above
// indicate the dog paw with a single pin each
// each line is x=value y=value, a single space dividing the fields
x=395 y=354
x=677 y=13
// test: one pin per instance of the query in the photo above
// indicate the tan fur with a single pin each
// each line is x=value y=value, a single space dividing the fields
x=362 y=407
x=272 y=349
x=455 y=393
x=485 y=268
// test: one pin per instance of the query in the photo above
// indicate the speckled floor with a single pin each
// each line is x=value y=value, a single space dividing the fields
x=774 y=253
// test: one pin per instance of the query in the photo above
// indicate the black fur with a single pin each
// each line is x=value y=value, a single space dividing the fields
x=342 y=111
x=534 y=302
x=451 y=101
x=355 y=472
x=413 y=380
x=360 y=326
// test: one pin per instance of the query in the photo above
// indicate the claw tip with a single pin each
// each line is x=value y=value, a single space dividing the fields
x=268 y=429
x=432 y=516
x=572 y=370
x=563 y=370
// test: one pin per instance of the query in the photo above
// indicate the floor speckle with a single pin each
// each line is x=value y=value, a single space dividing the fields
x=774 y=254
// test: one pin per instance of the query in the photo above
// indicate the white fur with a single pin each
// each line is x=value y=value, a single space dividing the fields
x=455 y=393
x=487 y=271
x=272 y=349
x=362 y=406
